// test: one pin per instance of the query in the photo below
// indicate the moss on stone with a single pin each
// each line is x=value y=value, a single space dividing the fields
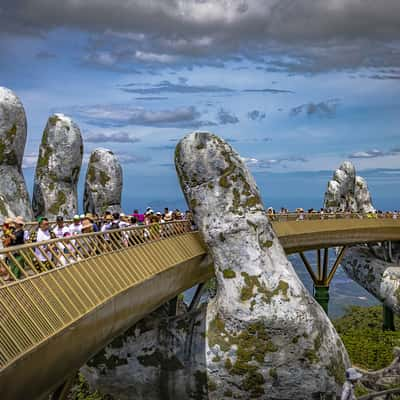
x=104 y=178
x=336 y=368
x=216 y=359
x=10 y=134
x=200 y=146
x=91 y=174
x=229 y=273
x=212 y=386
x=265 y=244
x=3 y=208
x=60 y=201
x=252 y=282
x=252 y=201
x=273 y=373
x=228 y=364
x=253 y=383
x=53 y=120
x=45 y=153
x=223 y=181
x=221 y=237
x=210 y=185
x=193 y=203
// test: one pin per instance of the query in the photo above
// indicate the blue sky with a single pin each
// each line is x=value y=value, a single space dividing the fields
x=295 y=87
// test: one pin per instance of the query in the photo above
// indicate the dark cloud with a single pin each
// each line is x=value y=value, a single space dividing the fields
x=115 y=137
x=117 y=115
x=323 y=109
x=385 y=77
x=225 y=117
x=169 y=87
x=374 y=153
x=151 y=98
x=256 y=115
x=298 y=36
x=267 y=90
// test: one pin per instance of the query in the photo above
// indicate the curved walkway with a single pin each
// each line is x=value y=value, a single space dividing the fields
x=78 y=293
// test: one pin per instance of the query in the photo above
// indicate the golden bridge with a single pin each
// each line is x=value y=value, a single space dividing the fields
x=74 y=295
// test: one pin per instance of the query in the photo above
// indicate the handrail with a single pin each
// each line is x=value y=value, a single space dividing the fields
x=55 y=292
x=27 y=260
x=317 y=215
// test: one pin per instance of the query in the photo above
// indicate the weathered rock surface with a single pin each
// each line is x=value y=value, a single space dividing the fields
x=14 y=197
x=379 y=277
x=261 y=336
x=348 y=192
x=57 y=169
x=103 y=184
x=373 y=266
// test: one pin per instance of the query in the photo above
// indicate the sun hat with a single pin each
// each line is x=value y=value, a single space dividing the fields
x=76 y=216
x=19 y=220
x=109 y=217
x=352 y=374
x=8 y=221
x=86 y=224
x=82 y=216
x=89 y=216
x=168 y=217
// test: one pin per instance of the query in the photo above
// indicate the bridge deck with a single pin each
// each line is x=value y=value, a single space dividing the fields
x=70 y=305
x=296 y=236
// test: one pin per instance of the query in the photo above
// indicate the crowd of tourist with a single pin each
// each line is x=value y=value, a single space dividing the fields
x=325 y=213
x=15 y=232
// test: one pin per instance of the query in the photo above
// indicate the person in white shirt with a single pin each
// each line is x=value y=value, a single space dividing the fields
x=76 y=227
x=42 y=234
x=60 y=229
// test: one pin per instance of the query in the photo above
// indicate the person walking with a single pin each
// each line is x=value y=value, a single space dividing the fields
x=352 y=376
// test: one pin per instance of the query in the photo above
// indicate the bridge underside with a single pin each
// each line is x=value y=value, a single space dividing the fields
x=44 y=367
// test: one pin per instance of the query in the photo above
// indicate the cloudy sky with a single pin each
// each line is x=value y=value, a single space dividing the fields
x=296 y=86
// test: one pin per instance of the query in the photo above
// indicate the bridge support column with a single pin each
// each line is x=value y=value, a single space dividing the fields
x=388 y=319
x=321 y=294
x=323 y=277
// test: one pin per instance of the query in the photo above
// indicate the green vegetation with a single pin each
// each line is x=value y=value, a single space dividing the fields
x=81 y=391
x=361 y=331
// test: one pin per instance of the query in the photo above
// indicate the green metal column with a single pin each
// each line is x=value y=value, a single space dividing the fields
x=321 y=294
x=388 y=319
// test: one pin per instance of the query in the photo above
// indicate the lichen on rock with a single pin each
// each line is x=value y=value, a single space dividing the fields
x=370 y=266
x=263 y=305
x=261 y=336
x=103 y=184
x=14 y=197
x=57 y=170
x=348 y=192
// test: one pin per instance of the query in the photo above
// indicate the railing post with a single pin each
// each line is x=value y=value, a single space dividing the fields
x=388 y=319
x=321 y=294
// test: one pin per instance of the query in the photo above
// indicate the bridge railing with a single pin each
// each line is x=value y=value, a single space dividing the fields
x=25 y=261
x=306 y=216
